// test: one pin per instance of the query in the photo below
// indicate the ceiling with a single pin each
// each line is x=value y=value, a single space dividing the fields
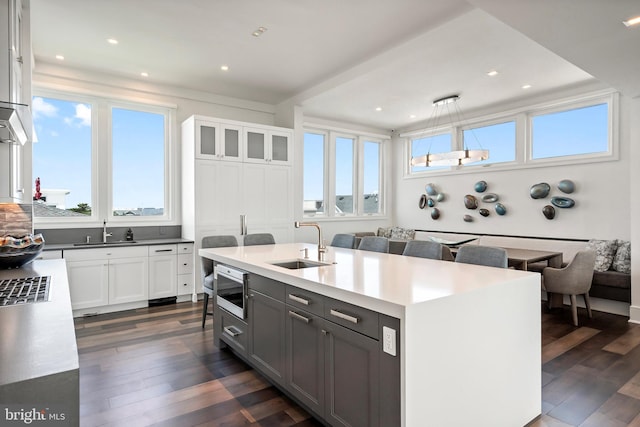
x=341 y=59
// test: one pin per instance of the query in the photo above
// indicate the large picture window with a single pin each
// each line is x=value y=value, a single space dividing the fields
x=314 y=176
x=98 y=159
x=499 y=139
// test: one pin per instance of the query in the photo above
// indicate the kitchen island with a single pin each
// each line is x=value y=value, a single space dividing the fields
x=39 y=369
x=468 y=344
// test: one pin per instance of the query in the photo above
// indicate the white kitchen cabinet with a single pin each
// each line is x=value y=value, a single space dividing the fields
x=163 y=267
x=11 y=181
x=106 y=276
x=185 y=269
x=215 y=193
x=12 y=57
x=268 y=145
x=218 y=141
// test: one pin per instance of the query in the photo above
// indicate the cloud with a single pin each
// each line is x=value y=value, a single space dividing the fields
x=40 y=107
x=83 y=113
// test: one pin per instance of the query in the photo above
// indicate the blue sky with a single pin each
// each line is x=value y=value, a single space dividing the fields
x=62 y=153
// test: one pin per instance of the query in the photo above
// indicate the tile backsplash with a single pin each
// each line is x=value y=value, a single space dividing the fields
x=16 y=219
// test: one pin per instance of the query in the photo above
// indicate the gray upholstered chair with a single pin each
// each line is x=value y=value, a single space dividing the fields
x=259 y=239
x=374 y=244
x=574 y=279
x=423 y=249
x=207 y=267
x=482 y=255
x=344 y=241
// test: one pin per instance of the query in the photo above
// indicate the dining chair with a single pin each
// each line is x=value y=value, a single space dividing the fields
x=259 y=239
x=222 y=241
x=344 y=241
x=424 y=249
x=482 y=255
x=574 y=279
x=374 y=244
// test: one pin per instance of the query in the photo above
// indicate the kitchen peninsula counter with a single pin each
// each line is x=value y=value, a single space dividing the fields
x=470 y=343
x=38 y=352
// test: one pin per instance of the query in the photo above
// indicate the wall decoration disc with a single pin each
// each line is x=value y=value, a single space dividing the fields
x=549 y=212
x=490 y=198
x=440 y=197
x=540 y=191
x=500 y=209
x=566 y=186
x=435 y=213
x=481 y=186
x=430 y=202
x=423 y=201
x=470 y=201
x=467 y=218
x=431 y=189
x=562 y=202
x=484 y=212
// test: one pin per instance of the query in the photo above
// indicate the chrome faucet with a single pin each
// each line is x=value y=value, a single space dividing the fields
x=322 y=249
x=104 y=232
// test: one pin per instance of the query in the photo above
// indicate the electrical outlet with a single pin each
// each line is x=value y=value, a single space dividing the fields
x=389 y=340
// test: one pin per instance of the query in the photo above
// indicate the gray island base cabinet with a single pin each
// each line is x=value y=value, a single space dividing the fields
x=332 y=370
x=375 y=339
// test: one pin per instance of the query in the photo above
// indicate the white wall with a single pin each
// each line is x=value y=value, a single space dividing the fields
x=603 y=193
x=634 y=196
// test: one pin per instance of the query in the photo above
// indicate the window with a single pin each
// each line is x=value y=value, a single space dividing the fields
x=570 y=133
x=353 y=185
x=62 y=157
x=138 y=189
x=344 y=175
x=97 y=161
x=314 y=149
x=427 y=145
x=499 y=139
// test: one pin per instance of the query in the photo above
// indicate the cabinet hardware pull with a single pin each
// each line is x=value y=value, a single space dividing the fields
x=232 y=330
x=344 y=316
x=324 y=332
x=299 y=316
x=298 y=299
x=164 y=250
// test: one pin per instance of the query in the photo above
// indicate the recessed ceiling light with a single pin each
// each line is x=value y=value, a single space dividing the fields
x=632 y=21
x=60 y=57
x=412 y=116
x=112 y=41
x=224 y=67
x=259 y=31
x=144 y=74
x=378 y=108
x=492 y=73
x=526 y=86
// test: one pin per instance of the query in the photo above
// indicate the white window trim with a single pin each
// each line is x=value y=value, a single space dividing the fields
x=101 y=162
x=523 y=136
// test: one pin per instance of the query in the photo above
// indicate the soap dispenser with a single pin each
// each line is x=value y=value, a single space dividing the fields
x=129 y=234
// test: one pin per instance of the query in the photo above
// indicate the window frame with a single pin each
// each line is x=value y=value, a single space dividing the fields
x=524 y=145
x=331 y=134
x=102 y=163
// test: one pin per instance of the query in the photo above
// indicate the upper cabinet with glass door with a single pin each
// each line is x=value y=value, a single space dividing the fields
x=218 y=141
x=268 y=145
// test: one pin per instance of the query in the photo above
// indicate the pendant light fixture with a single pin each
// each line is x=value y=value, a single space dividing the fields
x=450 y=158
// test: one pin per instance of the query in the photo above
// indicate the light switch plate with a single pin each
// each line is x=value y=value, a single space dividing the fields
x=389 y=340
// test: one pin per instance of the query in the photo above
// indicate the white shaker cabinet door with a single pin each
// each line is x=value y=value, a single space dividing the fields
x=88 y=283
x=162 y=276
x=128 y=280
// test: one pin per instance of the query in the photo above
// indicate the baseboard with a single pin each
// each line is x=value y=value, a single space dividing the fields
x=634 y=314
x=608 y=306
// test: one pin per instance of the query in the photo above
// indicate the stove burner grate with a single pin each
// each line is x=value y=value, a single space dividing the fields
x=24 y=290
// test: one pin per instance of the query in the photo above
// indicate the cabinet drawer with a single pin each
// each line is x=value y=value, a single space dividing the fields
x=158 y=250
x=105 y=253
x=269 y=287
x=233 y=331
x=185 y=248
x=351 y=316
x=185 y=263
x=305 y=300
x=185 y=284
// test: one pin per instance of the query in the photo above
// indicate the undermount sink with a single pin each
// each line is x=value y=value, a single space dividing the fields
x=119 y=242
x=297 y=264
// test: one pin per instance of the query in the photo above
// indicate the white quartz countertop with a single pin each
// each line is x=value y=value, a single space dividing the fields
x=38 y=339
x=386 y=283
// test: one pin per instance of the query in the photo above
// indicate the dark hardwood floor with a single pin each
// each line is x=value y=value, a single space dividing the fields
x=157 y=366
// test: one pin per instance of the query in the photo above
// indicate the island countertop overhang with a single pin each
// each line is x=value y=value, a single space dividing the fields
x=382 y=282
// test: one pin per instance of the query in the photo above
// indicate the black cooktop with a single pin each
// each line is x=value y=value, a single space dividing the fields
x=24 y=290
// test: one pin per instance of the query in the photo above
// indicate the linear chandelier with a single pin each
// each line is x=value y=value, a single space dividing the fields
x=450 y=158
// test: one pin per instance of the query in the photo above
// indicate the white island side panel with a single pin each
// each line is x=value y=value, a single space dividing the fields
x=474 y=358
